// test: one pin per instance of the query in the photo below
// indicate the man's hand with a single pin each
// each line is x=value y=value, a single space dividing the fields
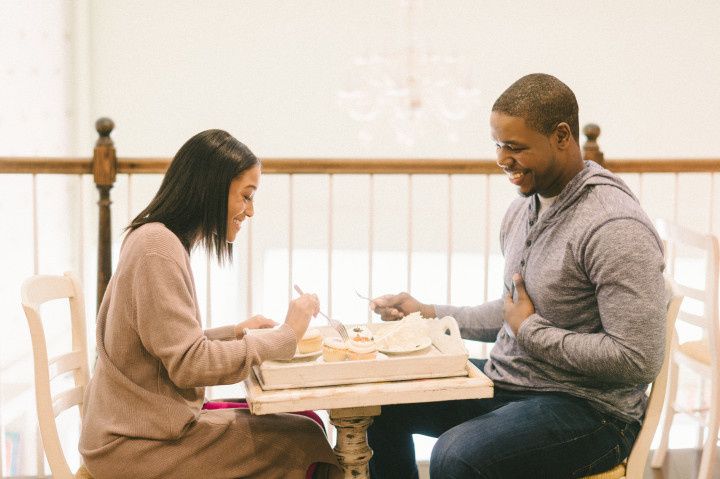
x=515 y=313
x=256 y=322
x=392 y=307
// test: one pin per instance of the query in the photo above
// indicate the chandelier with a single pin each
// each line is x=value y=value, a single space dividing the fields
x=413 y=89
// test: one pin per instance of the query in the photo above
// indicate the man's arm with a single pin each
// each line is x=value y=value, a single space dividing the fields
x=623 y=259
x=479 y=323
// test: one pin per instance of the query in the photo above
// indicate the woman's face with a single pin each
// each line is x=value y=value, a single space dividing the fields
x=240 y=200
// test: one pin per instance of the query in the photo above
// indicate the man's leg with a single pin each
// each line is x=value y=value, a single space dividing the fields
x=533 y=435
x=390 y=434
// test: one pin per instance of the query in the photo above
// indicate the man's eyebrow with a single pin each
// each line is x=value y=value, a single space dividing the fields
x=508 y=142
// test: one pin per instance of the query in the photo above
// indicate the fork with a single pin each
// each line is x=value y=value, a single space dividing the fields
x=336 y=325
x=363 y=297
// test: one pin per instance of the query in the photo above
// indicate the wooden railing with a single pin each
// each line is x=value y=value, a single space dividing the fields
x=104 y=165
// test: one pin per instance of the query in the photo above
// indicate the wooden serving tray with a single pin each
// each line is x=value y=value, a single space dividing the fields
x=446 y=357
x=473 y=385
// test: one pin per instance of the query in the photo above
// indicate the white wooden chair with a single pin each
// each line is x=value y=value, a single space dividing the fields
x=35 y=291
x=703 y=355
x=634 y=466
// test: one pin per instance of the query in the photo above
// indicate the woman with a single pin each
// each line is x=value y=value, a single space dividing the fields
x=143 y=413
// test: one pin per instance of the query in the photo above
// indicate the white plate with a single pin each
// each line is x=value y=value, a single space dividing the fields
x=409 y=347
x=303 y=356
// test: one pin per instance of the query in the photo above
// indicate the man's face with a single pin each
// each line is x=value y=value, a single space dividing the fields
x=528 y=157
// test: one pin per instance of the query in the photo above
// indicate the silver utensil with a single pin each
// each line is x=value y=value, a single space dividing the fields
x=363 y=297
x=336 y=325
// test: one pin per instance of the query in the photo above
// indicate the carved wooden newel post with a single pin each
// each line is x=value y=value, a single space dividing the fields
x=591 y=150
x=104 y=167
x=352 y=448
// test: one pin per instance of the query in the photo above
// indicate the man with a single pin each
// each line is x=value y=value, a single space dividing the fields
x=579 y=333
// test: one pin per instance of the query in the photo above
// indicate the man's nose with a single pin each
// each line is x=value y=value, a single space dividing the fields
x=503 y=158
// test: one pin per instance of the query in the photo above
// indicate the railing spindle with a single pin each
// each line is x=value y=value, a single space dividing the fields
x=409 y=232
x=104 y=168
x=371 y=235
x=330 y=245
x=448 y=296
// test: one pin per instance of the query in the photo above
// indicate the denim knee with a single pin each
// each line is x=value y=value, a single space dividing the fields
x=448 y=460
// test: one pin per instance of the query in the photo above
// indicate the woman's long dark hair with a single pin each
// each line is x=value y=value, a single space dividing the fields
x=193 y=197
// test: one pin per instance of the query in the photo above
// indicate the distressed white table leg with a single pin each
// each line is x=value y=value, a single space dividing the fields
x=352 y=448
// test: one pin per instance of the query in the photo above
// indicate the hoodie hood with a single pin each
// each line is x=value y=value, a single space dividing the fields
x=590 y=176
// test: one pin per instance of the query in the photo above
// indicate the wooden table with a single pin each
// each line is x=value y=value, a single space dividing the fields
x=352 y=406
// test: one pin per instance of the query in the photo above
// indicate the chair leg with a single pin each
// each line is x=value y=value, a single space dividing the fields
x=700 y=406
x=710 y=447
x=658 y=457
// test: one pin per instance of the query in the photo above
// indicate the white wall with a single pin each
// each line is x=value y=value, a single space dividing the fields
x=268 y=71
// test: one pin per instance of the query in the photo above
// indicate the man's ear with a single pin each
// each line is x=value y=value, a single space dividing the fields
x=563 y=134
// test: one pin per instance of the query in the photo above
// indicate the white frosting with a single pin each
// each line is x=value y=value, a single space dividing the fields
x=335 y=343
x=362 y=347
x=410 y=330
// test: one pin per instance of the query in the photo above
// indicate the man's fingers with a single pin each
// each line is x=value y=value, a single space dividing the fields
x=508 y=300
x=519 y=285
x=390 y=314
x=383 y=303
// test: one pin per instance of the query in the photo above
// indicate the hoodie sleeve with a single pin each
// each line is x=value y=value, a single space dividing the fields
x=479 y=323
x=623 y=259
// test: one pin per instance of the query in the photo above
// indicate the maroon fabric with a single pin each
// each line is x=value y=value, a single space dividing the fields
x=243 y=405
x=225 y=405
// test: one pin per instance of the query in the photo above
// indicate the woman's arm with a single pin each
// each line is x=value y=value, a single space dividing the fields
x=166 y=321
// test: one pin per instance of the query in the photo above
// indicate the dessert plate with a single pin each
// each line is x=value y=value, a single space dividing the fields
x=413 y=346
x=303 y=356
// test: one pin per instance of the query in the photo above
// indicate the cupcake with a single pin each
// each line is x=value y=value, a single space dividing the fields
x=310 y=342
x=334 y=349
x=362 y=347
x=359 y=332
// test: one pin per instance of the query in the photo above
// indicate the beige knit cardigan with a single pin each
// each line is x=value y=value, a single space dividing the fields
x=143 y=415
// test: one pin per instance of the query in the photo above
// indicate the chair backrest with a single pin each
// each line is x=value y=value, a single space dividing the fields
x=683 y=248
x=641 y=448
x=35 y=291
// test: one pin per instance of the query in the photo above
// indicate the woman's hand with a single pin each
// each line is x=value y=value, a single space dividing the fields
x=256 y=322
x=300 y=311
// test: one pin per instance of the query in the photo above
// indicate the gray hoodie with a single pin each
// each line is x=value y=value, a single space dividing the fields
x=592 y=265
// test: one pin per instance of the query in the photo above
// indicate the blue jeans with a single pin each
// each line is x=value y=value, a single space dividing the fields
x=512 y=435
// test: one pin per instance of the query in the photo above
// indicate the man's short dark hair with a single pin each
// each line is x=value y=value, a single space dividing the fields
x=542 y=101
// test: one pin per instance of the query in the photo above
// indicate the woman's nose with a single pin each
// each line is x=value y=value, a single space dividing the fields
x=250 y=210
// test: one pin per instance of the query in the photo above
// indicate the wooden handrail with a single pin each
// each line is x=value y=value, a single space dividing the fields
x=105 y=165
x=68 y=166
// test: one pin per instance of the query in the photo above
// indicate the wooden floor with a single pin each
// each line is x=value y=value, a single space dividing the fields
x=680 y=464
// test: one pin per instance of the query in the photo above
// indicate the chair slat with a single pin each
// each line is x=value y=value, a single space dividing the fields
x=690 y=292
x=694 y=319
x=65 y=363
x=67 y=399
